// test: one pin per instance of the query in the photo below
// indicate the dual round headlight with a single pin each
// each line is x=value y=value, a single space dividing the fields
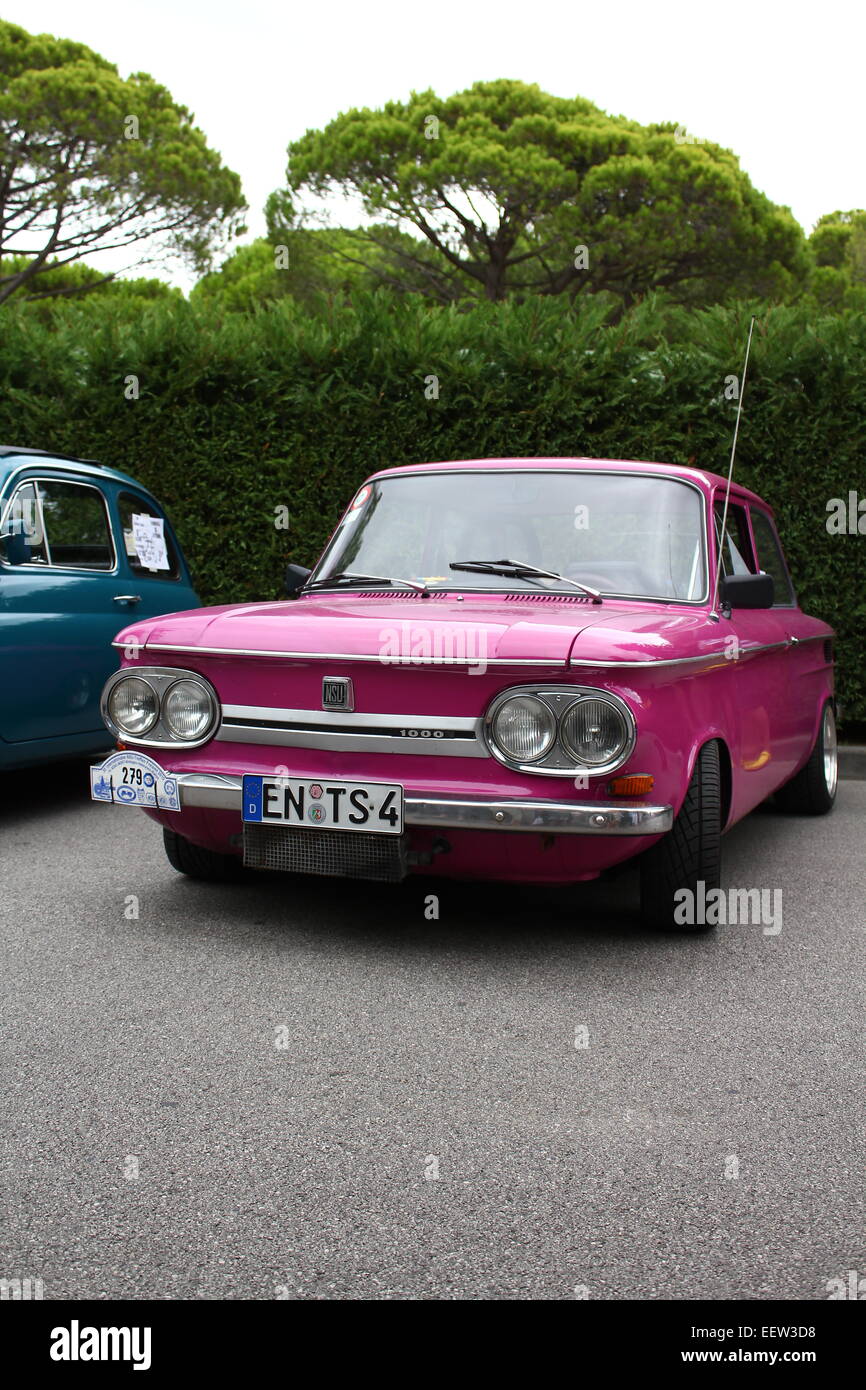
x=587 y=732
x=161 y=707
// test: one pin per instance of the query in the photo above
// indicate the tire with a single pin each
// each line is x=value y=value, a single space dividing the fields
x=690 y=853
x=203 y=864
x=813 y=791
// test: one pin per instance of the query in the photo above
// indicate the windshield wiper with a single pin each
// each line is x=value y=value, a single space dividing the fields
x=349 y=577
x=520 y=571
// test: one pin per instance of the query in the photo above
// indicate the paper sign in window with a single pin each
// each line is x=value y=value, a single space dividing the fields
x=149 y=534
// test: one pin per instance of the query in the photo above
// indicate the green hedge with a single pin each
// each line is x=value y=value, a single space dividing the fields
x=239 y=415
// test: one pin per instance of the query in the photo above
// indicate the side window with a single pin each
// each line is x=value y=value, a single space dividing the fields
x=150 y=551
x=64 y=525
x=23 y=535
x=737 y=551
x=76 y=526
x=770 y=558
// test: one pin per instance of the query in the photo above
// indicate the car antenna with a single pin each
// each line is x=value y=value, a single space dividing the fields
x=714 y=613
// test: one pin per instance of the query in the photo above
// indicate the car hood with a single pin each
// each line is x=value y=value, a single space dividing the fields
x=540 y=628
x=647 y=633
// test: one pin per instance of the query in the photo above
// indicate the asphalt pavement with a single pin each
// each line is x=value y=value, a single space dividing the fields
x=314 y=1089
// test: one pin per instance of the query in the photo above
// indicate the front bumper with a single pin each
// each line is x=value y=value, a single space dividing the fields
x=224 y=793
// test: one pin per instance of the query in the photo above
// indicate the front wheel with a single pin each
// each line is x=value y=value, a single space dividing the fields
x=195 y=862
x=813 y=790
x=689 y=855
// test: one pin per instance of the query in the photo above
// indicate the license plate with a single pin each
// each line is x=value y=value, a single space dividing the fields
x=374 y=807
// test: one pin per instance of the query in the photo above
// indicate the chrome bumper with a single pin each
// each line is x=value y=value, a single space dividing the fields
x=223 y=793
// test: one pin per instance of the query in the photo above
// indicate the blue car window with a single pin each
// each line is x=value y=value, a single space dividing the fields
x=23 y=534
x=76 y=526
x=129 y=505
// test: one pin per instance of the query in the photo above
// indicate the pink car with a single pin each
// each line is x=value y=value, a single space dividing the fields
x=511 y=669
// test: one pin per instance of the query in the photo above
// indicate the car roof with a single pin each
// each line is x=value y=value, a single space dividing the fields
x=701 y=476
x=12 y=458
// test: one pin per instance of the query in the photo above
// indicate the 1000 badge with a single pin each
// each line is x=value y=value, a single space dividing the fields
x=374 y=807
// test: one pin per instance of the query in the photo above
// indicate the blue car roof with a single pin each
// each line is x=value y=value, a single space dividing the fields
x=12 y=457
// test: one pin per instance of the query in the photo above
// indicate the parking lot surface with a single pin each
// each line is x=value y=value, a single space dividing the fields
x=318 y=1089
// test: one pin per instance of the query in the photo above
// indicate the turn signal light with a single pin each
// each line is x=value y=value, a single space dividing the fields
x=638 y=784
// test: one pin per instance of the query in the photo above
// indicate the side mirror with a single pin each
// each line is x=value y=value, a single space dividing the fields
x=747 y=590
x=296 y=578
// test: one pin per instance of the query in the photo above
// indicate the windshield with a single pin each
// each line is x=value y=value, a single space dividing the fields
x=622 y=534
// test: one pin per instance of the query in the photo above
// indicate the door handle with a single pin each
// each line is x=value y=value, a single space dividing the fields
x=127 y=598
x=793 y=641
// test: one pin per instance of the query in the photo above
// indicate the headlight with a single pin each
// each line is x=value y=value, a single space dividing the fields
x=594 y=732
x=187 y=709
x=560 y=730
x=523 y=729
x=160 y=707
x=133 y=706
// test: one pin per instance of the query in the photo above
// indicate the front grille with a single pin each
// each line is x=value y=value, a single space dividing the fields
x=335 y=853
x=348 y=726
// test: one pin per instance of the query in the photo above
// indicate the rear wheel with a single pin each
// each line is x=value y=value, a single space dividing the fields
x=690 y=854
x=195 y=862
x=813 y=790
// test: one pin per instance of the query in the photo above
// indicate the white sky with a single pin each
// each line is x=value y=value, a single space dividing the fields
x=781 y=84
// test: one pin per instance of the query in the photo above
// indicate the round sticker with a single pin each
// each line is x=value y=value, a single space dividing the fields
x=316 y=813
x=360 y=499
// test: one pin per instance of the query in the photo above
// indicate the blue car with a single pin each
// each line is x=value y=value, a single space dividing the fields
x=84 y=551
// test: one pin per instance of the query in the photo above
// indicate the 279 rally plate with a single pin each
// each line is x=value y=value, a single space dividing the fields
x=134 y=779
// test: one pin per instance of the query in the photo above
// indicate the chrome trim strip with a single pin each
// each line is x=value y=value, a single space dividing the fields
x=682 y=660
x=573 y=664
x=345 y=732
x=346 y=719
x=541 y=817
x=349 y=656
x=632 y=665
x=221 y=792
x=761 y=647
x=351 y=741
